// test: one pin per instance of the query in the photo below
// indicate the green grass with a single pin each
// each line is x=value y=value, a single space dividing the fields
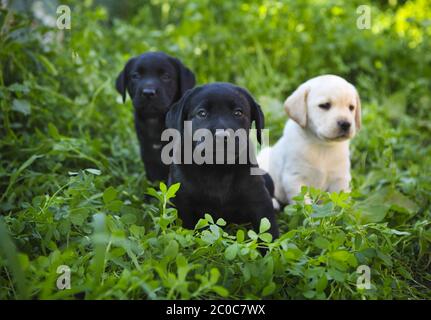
x=72 y=184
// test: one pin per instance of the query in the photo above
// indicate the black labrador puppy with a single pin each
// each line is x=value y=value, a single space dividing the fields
x=154 y=81
x=224 y=190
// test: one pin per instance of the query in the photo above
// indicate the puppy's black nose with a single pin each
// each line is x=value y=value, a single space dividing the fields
x=344 y=125
x=149 y=92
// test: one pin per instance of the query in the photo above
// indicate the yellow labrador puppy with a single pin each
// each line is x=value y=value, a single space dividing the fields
x=325 y=113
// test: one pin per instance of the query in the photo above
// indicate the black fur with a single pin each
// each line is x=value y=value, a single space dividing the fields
x=154 y=81
x=228 y=191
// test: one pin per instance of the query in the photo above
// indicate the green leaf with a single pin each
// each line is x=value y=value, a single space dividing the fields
x=221 y=222
x=369 y=252
x=201 y=224
x=128 y=218
x=182 y=267
x=137 y=231
x=323 y=211
x=24 y=261
x=215 y=230
x=399 y=233
x=401 y=203
x=209 y=218
x=48 y=65
x=341 y=255
x=181 y=261
x=376 y=206
x=358 y=241
x=309 y=294
x=266 y=237
x=114 y=205
x=96 y=172
x=372 y=213
x=171 y=249
x=322 y=283
x=21 y=106
x=321 y=243
x=19 y=87
x=173 y=190
x=162 y=187
x=269 y=289
x=214 y=275
x=153 y=192
x=109 y=195
x=406 y=274
x=337 y=275
x=53 y=131
x=244 y=251
x=385 y=258
x=208 y=237
x=79 y=216
x=240 y=236
x=231 y=251
x=220 y=291
x=264 y=225
x=252 y=235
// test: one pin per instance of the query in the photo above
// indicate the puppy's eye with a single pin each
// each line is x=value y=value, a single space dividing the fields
x=202 y=114
x=325 y=106
x=351 y=108
x=238 y=113
x=165 y=77
x=135 y=75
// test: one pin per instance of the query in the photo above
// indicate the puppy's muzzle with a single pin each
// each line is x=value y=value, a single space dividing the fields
x=344 y=126
x=149 y=93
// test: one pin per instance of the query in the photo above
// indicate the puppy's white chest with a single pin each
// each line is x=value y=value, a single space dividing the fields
x=319 y=166
x=314 y=175
x=326 y=168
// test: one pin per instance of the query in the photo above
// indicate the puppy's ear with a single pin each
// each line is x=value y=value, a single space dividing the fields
x=122 y=79
x=296 y=105
x=176 y=115
x=256 y=113
x=358 y=116
x=186 y=78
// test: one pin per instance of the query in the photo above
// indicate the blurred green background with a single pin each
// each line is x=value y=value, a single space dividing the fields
x=68 y=149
